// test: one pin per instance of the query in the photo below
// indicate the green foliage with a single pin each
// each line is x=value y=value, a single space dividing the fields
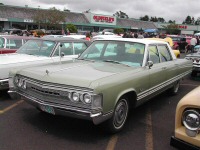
x=172 y=29
x=118 y=31
x=121 y=14
x=50 y=17
x=72 y=28
x=145 y=18
x=39 y=32
x=189 y=20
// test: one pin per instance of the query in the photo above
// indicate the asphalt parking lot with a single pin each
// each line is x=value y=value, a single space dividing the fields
x=149 y=127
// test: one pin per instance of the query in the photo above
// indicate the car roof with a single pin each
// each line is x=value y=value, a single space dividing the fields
x=16 y=37
x=59 y=39
x=144 y=41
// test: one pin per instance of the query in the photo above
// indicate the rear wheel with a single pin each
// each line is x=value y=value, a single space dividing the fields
x=116 y=123
x=194 y=74
x=175 y=88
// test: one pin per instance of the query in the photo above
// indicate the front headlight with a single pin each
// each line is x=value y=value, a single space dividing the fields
x=75 y=97
x=191 y=120
x=16 y=79
x=87 y=98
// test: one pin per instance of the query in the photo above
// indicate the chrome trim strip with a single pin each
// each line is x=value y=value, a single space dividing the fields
x=160 y=86
x=30 y=98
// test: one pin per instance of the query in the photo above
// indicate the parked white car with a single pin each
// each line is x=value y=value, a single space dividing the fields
x=40 y=51
x=105 y=37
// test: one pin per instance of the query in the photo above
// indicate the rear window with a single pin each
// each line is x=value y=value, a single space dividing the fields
x=2 y=41
x=13 y=43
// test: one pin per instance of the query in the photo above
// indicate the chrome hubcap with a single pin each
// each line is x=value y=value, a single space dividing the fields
x=120 y=113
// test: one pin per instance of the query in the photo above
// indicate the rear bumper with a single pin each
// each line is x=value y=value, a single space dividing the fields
x=4 y=84
x=182 y=145
x=69 y=111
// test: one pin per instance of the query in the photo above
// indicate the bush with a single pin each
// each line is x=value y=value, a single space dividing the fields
x=118 y=31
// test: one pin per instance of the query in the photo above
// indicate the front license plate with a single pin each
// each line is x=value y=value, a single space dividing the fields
x=47 y=109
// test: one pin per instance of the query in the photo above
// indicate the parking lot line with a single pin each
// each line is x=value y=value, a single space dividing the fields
x=149 y=133
x=10 y=107
x=112 y=142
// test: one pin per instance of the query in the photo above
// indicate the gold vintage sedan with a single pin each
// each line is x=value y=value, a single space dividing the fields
x=187 y=123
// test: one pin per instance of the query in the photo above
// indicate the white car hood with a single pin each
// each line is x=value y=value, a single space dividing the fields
x=17 y=61
x=18 y=58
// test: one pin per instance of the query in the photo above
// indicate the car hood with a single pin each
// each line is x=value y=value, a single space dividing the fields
x=13 y=61
x=191 y=99
x=75 y=73
x=18 y=58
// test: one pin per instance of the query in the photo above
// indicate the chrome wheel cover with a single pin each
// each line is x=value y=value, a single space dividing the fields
x=120 y=114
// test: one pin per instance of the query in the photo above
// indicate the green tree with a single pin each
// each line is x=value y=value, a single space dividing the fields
x=121 y=14
x=118 y=31
x=197 y=22
x=154 y=19
x=50 y=17
x=170 y=21
x=145 y=18
x=188 y=20
x=172 y=29
x=71 y=28
x=161 y=19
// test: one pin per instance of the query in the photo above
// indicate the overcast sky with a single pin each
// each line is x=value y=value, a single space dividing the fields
x=176 y=10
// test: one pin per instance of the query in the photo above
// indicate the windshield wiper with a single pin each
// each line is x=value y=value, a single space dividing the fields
x=116 y=62
x=85 y=59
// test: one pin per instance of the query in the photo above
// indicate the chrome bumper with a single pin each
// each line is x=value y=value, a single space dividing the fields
x=4 y=84
x=97 y=117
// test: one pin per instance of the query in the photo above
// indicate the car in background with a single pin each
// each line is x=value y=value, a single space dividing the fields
x=104 y=82
x=12 y=31
x=180 y=42
x=170 y=42
x=187 y=122
x=75 y=36
x=10 y=43
x=40 y=51
x=195 y=57
x=96 y=37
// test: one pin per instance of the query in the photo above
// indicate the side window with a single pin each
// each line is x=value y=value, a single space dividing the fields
x=153 y=54
x=13 y=44
x=164 y=53
x=66 y=48
x=79 y=48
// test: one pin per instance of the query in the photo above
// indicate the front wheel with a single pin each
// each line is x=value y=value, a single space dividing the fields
x=116 y=123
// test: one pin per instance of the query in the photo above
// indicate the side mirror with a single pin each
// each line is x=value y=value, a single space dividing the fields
x=62 y=54
x=150 y=64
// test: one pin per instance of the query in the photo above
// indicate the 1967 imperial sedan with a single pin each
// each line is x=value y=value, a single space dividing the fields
x=109 y=77
x=40 y=51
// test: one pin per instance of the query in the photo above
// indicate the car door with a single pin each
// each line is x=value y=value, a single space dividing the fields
x=158 y=72
x=168 y=65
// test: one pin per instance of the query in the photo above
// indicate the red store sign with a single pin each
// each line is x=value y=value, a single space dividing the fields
x=181 y=27
x=103 y=19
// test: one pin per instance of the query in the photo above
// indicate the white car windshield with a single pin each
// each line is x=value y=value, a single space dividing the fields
x=127 y=53
x=37 y=48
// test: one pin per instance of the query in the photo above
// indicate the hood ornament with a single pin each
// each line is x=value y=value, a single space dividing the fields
x=47 y=72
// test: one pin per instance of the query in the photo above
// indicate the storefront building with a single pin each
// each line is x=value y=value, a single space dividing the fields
x=22 y=18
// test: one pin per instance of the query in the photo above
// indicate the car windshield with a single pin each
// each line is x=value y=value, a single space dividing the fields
x=2 y=41
x=127 y=53
x=37 y=48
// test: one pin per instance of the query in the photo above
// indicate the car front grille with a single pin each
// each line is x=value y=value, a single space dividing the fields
x=54 y=94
